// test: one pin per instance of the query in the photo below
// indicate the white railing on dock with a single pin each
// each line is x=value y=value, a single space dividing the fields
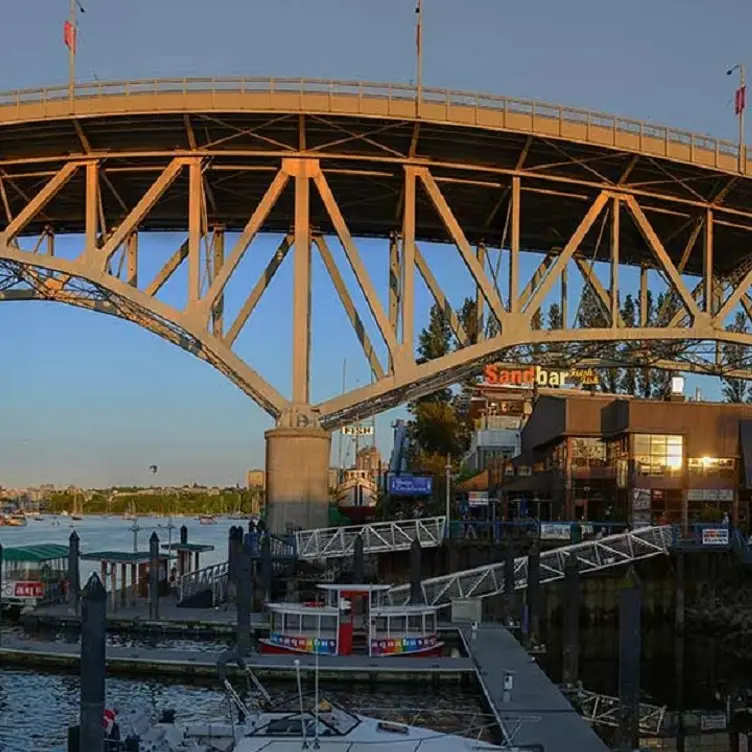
x=593 y=555
x=378 y=537
x=213 y=578
x=605 y=710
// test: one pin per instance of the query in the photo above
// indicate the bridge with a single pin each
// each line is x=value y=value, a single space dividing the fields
x=321 y=161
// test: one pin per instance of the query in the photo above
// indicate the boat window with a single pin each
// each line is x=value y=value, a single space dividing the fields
x=394 y=728
x=329 y=624
x=380 y=625
x=278 y=622
x=398 y=625
x=415 y=624
x=431 y=622
x=310 y=623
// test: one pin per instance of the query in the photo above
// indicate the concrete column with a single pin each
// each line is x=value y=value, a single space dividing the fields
x=416 y=568
x=297 y=478
x=93 y=628
x=154 y=577
x=74 y=572
x=630 y=607
x=359 y=564
x=245 y=594
x=571 y=658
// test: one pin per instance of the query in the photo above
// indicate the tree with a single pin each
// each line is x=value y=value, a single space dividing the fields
x=734 y=355
x=628 y=383
x=592 y=314
x=434 y=341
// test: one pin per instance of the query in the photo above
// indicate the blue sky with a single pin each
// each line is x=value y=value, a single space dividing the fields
x=95 y=401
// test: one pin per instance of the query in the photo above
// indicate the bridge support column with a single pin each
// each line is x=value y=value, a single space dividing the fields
x=297 y=478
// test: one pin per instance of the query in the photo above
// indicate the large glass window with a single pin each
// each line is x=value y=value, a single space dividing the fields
x=588 y=452
x=711 y=467
x=658 y=454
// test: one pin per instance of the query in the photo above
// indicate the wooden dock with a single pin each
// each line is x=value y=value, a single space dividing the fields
x=536 y=712
x=194 y=663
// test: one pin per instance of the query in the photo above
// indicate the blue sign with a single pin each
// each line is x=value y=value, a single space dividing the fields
x=410 y=485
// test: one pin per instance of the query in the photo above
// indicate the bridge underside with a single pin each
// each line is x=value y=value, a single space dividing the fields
x=107 y=171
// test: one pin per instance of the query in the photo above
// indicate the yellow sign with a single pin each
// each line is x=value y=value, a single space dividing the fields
x=496 y=374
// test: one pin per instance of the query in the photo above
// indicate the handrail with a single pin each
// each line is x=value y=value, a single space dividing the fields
x=360 y=89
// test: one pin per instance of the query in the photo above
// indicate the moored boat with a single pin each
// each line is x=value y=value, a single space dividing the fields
x=31 y=574
x=207 y=519
x=352 y=619
x=12 y=520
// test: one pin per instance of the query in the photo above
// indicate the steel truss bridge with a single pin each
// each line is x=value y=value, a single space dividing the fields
x=592 y=556
x=320 y=160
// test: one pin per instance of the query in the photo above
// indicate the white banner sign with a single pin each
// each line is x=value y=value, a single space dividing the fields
x=555 y=531
x=715 y=536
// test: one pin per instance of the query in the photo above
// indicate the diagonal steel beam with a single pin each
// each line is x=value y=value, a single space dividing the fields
x=654 y=243
x=356 y=263
x=37 y=204
x=554 y=272
x=250 y=231
x=591 y=278
x=458 y=237
x=167 y=270
x=258 y=290
x=143 y=207
x=349 y=306
x=441 y=299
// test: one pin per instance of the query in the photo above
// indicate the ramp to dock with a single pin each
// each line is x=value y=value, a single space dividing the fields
x=536 y=712
x=593 y=555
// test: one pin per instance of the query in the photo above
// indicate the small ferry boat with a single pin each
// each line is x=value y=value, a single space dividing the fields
x=207 y=519
x=351 y=619
x=12 y=520
x=31 y=574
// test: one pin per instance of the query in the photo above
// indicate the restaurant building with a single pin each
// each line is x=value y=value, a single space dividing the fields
x=594 y=456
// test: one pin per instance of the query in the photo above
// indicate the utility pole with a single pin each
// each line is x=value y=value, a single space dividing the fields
x=740 y=104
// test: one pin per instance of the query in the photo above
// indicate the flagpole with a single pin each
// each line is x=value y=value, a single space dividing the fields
x=419 y=56
x=72 y=51
x=743 y=89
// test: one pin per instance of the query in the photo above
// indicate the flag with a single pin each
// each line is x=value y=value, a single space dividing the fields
x=69 y=36
x=740 y=100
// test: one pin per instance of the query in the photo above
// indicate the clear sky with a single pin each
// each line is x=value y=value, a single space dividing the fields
x=90 y=400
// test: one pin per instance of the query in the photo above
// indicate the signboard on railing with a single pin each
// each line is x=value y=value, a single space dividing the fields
x=715 y=536
x=23 y=589
x=561 y=531
x=410 y=485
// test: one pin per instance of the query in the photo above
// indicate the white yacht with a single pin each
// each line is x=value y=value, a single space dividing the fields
x=291 y=726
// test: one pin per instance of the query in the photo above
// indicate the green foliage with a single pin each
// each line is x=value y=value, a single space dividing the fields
x=183 y=501
x=735 y=355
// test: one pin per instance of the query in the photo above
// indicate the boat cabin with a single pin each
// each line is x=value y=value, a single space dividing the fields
x=347 y=619
x=33 y=574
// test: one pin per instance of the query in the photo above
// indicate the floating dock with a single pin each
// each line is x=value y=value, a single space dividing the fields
x=534 y=711
x=194 y=663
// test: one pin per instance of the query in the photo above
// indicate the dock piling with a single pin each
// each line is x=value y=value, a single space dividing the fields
x=266 y=568
x=571 y=657
x=630 y=651
x=154 y=577
x=183 y=535
x=509 y=597
x=1 y=593
x=93 y=628
x=74 y=572
x=359 y=562
x=679 y=654
x=244 y=596
x=416 y=567
x=533 y=595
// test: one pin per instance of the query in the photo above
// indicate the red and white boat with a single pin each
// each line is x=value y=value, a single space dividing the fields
x=352 y=619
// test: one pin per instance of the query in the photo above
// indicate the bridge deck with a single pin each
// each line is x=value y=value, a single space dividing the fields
x=537 y=712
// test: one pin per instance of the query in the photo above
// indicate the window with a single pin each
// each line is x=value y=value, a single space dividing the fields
x=658 y=454
x=588 y=453
x=711 y=467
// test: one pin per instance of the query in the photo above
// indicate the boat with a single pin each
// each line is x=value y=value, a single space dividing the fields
x=31 y=574
x=76 y=517
x=357 y=495
x=12 y=520
x=351 y=619
x=300 y=722
x=207 y=519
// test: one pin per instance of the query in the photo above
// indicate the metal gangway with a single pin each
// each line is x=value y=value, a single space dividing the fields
x=593 y=555
x=605 y=710
x=378 y=537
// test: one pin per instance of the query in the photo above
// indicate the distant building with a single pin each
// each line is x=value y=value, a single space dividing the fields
x=256 y=479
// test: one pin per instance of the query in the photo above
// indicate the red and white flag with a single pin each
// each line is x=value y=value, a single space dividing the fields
x=108 y=720
x=740 y=100
x=69 y=36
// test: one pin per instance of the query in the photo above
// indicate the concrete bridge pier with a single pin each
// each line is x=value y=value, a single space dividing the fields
x=297 y=478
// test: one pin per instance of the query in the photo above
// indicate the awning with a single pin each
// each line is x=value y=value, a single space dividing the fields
x=478 y=482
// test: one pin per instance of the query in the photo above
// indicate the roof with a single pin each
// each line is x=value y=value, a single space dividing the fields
x=38 y=553
x=121 y=557
x=351 y=588
x=191 y=547
x=478 y=482
x=301 y=608
x=473 y=143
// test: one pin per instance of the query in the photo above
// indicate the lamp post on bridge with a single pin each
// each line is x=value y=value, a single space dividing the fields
x=740 y=104
x=419 y=56
x=70 y=37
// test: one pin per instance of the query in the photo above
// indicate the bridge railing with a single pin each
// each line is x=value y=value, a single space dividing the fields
x=213 y=579
x=501 y=530
x=446 y=98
